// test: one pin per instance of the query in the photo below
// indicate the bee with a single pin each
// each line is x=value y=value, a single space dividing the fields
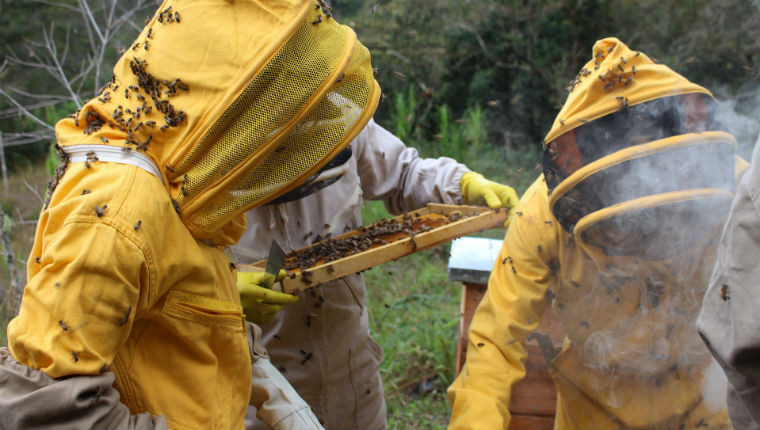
x=633 y=68
x=126 y=93
x=63 y=325
x=585 y=324
x=145 y=45
x=74 y=356
x=514 y=270
x=509 y=259
x=37 y=259
x=306 y=356
x=169 y=168
x=137 y=225
x=702 y=423
x=277 y=337
x=518 y=213
x=584 y=121
x=539 y=248
x=150 y=123
x=481 y=344
x=623 y=60
x=85 y=191
x=104 y=139
x=547 y=222
x=627 y=81
x=318 y=20
x=562 y=123
x=57 y=285
x=340 y=78
x=176 y=205
x=176 y=16
x=126 y=316
x=504 y=260
x=150 y=33
x=100 y=210
x=724 y=293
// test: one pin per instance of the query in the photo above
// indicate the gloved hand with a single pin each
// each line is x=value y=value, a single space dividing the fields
x=260 y=302
x=477 y=190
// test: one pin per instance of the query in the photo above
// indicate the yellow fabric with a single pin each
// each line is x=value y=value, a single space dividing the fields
x=260 y=302
x=236 y=102
x=634 y=381
x=607 y=82
x=133 y=292
x=477 y=190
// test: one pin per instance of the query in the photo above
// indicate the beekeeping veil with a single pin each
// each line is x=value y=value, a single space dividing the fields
x=633 y=155
x=235 y=103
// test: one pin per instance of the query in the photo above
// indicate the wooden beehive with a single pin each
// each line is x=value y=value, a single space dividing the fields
x=421 y=229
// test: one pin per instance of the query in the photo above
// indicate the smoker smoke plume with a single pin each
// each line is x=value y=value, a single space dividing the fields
x=658 y=292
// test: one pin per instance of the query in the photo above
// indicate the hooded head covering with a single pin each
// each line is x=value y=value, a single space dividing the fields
x=236 y=103
x=632 y=153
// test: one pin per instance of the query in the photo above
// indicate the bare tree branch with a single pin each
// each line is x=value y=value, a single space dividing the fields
x=22 y=109
x=35 y=192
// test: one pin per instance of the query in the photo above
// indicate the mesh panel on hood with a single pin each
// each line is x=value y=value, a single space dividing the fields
x=235 y=102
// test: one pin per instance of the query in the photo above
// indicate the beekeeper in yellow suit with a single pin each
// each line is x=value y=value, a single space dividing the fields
x=131 y=316
x=620 y=231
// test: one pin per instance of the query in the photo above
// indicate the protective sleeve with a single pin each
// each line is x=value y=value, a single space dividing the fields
x=30 y=398
x=392 y=172
x=81 y=298
x=277 y=403
x=511 y=309
x=728 y=320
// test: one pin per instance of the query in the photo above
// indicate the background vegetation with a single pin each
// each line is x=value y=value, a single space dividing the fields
x=479 y=81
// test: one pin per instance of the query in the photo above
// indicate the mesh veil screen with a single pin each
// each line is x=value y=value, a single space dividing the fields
x=251 y=124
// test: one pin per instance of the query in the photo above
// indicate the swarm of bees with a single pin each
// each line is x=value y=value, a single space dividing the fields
x=377 y=234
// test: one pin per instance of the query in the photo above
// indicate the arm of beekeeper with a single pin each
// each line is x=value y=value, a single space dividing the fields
x=29 y=398
x=392 y=172
x=77 y=309
x=277 y=403
x=511 y=309
x=728 y=319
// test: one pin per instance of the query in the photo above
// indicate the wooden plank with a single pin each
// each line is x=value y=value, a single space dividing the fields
x=471 y=296
x=475 y=218
x=532 y=422
x=534 y=399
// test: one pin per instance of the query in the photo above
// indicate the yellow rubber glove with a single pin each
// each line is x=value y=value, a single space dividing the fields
x=260 y=302
x=477 y=190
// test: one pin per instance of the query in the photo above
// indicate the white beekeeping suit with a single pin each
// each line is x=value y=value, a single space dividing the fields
x=322 y=343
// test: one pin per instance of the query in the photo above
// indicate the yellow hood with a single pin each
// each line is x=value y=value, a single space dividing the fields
x=235 y=102
x=616 y=77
